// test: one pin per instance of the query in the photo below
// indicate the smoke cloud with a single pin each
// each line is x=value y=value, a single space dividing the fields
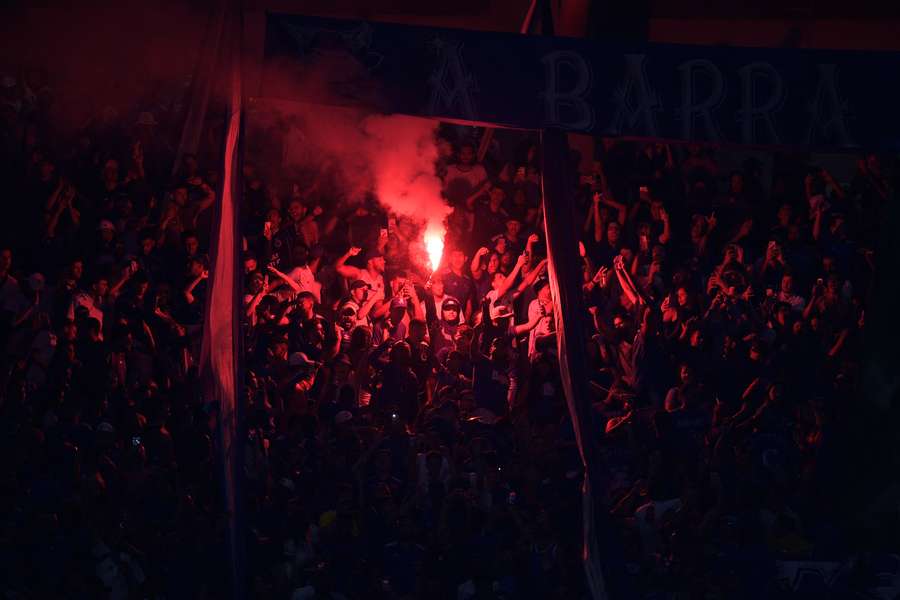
x=350 y=155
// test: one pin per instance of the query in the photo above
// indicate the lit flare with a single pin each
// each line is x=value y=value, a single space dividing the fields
x=434 y=246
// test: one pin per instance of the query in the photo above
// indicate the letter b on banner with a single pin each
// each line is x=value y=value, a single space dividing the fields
x=568 y=83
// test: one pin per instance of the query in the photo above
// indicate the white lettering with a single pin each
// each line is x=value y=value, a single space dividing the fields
x=567 y=109
x=693 y=110
x=753 y=76
x=827 y=111
x=636 y=102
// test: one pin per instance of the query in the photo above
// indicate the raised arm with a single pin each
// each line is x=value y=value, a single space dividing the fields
x=345 y=270
x=285 y=279
x=475 y=266
x=532 y=276
x=511 y=278
x=188 y=291
x=598 y=222
x=664 y=236
x=628 y=286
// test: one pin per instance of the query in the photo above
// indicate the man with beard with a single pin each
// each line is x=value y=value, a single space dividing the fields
x=372 y=275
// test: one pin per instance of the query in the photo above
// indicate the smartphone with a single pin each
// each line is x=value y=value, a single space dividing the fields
x=136 y=441
x=267 y=228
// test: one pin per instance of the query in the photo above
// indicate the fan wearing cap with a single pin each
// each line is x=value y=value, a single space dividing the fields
x=502 y=296
x=459 y=285
x=436 y=287
x=442 y=327
x=354 y=309
x=372 y=275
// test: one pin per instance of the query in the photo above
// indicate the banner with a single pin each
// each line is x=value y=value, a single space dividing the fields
x=828 y=100
x=565 y=284
x=220 y=352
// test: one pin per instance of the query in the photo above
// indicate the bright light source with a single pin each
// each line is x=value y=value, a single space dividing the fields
x=434 y=246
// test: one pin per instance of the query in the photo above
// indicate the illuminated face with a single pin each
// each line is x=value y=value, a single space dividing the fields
x=296 y=210
x=686 y=374
x=497 y=281
x=147 y=245
x=682 y=296
x=250 y=265
x=466 y=155
x=787 y=284
x=101 y=287
x=696 y=339
x=359 y=294
x=450 y=313
x=493 y=263
x=377 y=264
x=513 y=228
x=77 y=269
x=274 y=217
x=544 y=295
x=191 y=245
x=612 y=233
x=457 y=260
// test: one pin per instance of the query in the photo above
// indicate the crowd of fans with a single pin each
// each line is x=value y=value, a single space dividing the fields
x=406 y=431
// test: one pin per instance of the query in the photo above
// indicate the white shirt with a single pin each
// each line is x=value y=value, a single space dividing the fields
x=459 y=184
x=86 y=300
x=496 y=304
x=375 y=282
x=303 y=277
x=544 y=326
x=797 y=302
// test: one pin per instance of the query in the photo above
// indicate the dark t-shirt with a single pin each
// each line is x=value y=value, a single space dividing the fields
x=460 y=287
x=492 y=387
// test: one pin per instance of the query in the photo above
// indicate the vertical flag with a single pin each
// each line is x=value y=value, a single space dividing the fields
x=220 y=350
x=565 y=284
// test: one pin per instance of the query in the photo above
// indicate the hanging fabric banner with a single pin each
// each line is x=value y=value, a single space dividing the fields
x=750 y=96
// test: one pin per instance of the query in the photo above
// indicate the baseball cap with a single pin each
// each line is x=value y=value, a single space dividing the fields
x=540 y=284
x=299 y=359
x=343 y=417
x=358 y=283
x=398 y=302
x=450 y=304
